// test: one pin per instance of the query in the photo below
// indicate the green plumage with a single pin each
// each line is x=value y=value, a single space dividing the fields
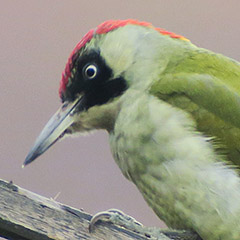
x=175 y=129
x=207 y=85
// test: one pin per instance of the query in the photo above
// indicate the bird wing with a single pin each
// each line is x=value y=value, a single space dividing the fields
x=206 y=85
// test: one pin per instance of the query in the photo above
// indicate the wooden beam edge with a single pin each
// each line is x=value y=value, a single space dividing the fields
x=27 y=215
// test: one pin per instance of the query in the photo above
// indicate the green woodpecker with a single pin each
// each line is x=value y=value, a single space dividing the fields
x=172 y=111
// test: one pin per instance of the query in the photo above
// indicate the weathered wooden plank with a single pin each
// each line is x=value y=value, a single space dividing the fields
x=26 y=215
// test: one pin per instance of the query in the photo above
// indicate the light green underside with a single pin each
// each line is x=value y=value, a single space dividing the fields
x=206 y=85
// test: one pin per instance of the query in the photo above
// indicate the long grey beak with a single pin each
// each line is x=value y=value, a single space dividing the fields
x=53 y=131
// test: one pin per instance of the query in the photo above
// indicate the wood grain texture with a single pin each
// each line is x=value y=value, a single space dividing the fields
x=26 y=215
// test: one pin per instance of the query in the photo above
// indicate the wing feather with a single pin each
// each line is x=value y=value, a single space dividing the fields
x=206 y=85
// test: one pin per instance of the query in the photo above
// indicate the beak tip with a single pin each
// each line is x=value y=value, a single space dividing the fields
x=30 y=157
x=26 y=162
x=53 y=131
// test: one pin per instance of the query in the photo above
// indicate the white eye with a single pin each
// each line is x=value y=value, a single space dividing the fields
x=90 y=71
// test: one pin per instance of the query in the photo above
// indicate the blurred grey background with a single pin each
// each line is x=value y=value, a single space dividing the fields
x=36 y=38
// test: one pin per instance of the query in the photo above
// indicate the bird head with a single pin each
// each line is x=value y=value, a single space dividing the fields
x=108 y=60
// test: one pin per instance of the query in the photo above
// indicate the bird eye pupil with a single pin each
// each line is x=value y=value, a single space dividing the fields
x=90 y=71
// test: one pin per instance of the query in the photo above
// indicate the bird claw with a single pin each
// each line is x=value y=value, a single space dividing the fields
x=121 y=219
x=116 y=217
